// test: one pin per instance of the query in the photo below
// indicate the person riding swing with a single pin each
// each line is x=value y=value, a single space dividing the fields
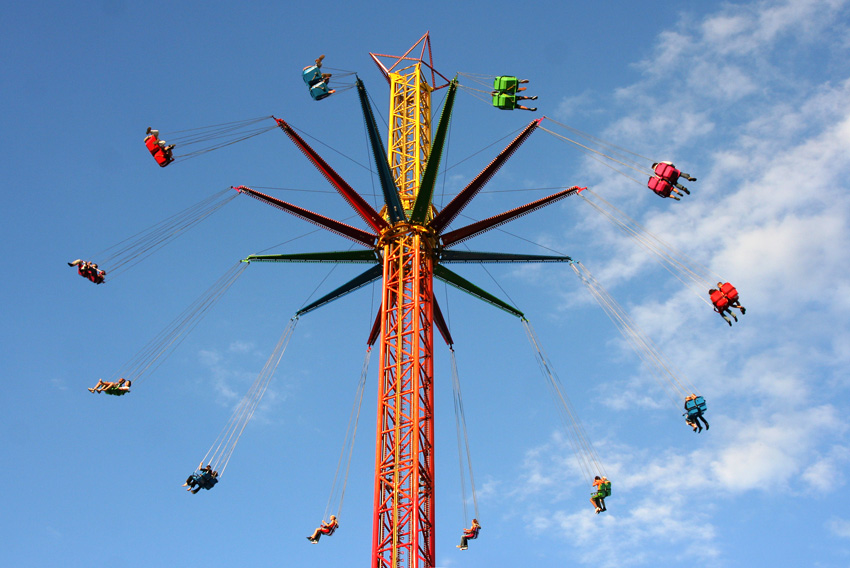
x=119 y=388
x=603 y=490
x=721 y=305
x=316 y=81
x=504 y=93
x=731 y=294
x=695 y=408
x=89 y=270
x=161 y=151
x=203 y=478
x=668 y=172
x=324 y=529
x=469 y=534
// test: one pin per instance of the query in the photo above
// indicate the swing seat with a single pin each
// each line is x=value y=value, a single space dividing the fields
x=696 y=407
x=207 y=481
x=312 y=75
x=320 y=91
x=730 y=292
x=720 y=301
x=504 y=102
x=152 y=144
x=506 y=84
x=668 y=172
x=659 y=186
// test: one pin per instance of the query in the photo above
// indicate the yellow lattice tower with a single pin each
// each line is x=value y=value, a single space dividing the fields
x=410 y=130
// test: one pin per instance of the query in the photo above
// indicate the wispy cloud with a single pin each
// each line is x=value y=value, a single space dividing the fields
x=654 y=493
x=729 y=98
x=241 y=347
x=770 y=455
x=839 y=527
x=650 y=504
x=232 y=377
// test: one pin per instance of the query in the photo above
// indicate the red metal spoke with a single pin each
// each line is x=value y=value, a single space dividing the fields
x=332 y=225
x=366 y=211
x=462 y=199
x=475 y=229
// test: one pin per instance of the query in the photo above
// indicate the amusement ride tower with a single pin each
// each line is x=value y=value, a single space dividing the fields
x=408 y=246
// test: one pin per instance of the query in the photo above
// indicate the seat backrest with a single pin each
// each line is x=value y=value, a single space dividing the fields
x=720 y=301
x=319 y=91
x=665 y=170
x=311 y=75
x=207 y=480
x=151 y=142
x=506 y=84
x=659 y=186
x=729 y=291
x=504 y=102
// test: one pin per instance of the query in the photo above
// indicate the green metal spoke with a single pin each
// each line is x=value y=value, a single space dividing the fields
x=346 y=256
x=429 y=177
x=461 y=283
x=367 y=277
x=453 y=256
x=395 y=210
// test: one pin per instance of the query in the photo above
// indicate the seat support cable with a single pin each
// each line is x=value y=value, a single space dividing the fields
x=673 y=382
x=340 y=484
x=463 y=442
x=222 y=449
x=583 y=450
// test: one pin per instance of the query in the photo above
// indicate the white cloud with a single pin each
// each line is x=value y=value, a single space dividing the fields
x=646 y=506
x=232 y=379
x=839 y=527
x=724 y=29
x=569 y=106
x=209 y=358
x=770 y=455
x=241 y=347
x=728 y=83
x=771 y=213
x=828 y=467
x=654 y=492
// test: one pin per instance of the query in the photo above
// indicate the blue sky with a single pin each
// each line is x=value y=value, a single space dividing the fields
x=751 y=98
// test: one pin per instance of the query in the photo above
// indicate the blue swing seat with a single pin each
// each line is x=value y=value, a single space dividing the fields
x=207 y=481
x=696 y=407
x=320 y=91
x=312 y=75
